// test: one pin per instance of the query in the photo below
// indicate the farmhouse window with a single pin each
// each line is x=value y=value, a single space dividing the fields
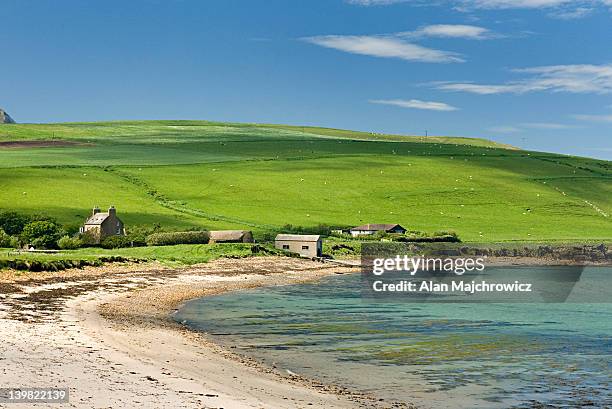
x=285 y=247
x=304 y=247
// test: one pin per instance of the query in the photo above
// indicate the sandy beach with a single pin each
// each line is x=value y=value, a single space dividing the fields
x=106 y=334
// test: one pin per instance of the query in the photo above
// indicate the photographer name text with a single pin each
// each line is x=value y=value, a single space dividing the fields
x=454 y=286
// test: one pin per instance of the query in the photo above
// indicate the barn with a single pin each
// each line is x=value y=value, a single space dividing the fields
x=231 y=236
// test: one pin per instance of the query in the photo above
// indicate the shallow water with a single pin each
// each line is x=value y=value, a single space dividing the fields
x=434 y=355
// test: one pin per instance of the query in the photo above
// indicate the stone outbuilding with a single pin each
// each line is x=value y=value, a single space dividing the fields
x=306 y=245
x=103 y=224
x=231 y=236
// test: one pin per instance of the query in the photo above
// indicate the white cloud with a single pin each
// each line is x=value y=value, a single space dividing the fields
x=515 y=4
x=415 y=104
x=571 y=14
x=594 y=118
x=583 y=78
x=400 y=45
x=561 y=9
x=450 y=31
x=385 y=47
x=478 y=88
x=580 y=7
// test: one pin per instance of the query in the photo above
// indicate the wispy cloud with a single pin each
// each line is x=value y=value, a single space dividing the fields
x=515 y=4
x=504 y=129
x=401 y=45
x=474 y=4
x=580 y=6
x=450 y=31
x=546 y=125
x=561 y=9
x=571 y=14
x=415 y=104
x=583 y=78
x=384 y=47
x=594 y=118
x=477 y=88
x=529 y=125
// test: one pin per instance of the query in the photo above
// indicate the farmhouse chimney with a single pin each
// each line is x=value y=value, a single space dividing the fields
x=96 y=210
x=112 y=211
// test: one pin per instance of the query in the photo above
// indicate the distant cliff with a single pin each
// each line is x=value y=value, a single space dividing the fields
x=5 y=118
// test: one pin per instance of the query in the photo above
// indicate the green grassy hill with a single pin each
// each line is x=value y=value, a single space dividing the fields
x=261 y=177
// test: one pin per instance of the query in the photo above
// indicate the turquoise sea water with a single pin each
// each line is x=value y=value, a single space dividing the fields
x=433 y=355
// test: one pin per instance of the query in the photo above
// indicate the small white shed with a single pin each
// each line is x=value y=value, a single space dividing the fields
x=307 y=245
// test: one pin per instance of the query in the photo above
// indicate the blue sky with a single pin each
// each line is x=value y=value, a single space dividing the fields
x=533 y=73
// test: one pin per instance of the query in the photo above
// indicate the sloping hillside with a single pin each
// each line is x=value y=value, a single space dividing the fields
x=219 y=175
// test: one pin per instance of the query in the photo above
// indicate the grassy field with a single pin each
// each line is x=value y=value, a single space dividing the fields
x=261 y=177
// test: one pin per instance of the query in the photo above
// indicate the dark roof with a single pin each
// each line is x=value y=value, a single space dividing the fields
x=97 y=218
x=376 y=227
x=298 y=237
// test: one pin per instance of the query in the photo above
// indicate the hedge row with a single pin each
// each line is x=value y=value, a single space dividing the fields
x=181 y=237
x=447 y=238
x=116 y=242
x=411 y=236
x=57 y=265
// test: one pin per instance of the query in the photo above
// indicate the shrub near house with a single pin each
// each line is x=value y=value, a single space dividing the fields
x=69 y=243
x=181 y=237
x=116 y=242
x=13 y=223
x=41 y=234
x=7 y=241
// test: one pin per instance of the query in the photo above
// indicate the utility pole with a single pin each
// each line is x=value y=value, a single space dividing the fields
x=426 y=132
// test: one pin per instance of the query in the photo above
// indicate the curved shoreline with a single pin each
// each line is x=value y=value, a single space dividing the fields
x=107 y=334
